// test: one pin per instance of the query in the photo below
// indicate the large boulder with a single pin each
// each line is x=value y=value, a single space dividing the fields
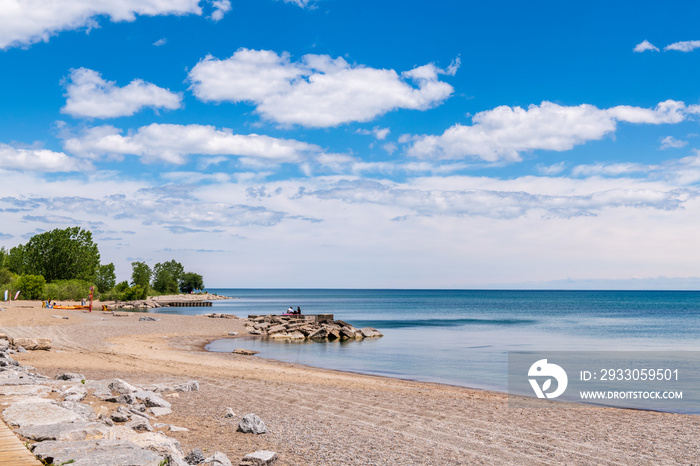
x=251 y=424
x=122 y=387
x=151 y=400
x=32 y=343
x=195 y=457
x=217 y=459
x=71 y=431
x=276 y=329
x=259 y=458
x=39 y=411
x=370 y=332
x=95 y=452
x=320 y=334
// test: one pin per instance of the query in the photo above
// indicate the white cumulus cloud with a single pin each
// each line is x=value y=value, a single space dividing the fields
x=221 y=7
x=88 y=95
x=684 y=46
x=317 y=91
x=39 y=160
x=24 y=22
x=172 y=143
x=644 y=46
x=505 y=132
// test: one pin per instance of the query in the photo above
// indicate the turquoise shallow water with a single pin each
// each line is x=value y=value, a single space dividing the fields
x=463 y=337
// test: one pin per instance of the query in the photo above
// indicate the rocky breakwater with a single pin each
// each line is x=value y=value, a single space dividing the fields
x=153 y=302
x=72 y=420
x=305 y=328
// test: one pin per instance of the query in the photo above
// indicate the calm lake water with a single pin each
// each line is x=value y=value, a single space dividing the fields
x=463 y=337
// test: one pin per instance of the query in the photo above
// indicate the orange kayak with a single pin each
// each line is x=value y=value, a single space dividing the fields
x=58 y=306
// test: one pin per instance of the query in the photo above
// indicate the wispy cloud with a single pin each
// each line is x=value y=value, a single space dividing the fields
x=221 y=7
x=161 y=41
x=173 y=143
x=684 y=46
x=669 y=142
x=645 y=46
x=88 y=95
x=317 y=91
x=498 y=203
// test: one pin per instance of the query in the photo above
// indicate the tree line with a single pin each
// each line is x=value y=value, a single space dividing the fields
x=64 y=263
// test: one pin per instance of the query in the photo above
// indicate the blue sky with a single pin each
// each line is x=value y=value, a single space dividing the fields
x=331 y=143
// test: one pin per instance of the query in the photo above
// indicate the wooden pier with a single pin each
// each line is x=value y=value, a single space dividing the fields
x=185 y=303
x=12 y=451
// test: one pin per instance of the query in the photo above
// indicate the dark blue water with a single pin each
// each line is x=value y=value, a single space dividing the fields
x=463 y=337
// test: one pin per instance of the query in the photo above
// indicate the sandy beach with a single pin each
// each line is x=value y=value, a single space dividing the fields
x=317 y=416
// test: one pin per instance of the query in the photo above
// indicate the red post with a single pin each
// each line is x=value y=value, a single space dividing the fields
x=92 y=288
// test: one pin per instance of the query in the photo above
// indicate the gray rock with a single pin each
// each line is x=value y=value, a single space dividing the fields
x=252 y=424
x=72 y=431
x=178 y=429
x=151 y=400
x=217 y=459
x=21 y=349
x=195 y=457
x=122 y=387
x=99 y=389
x=75 y=393
x=260 y=458
x=140 y=410
x=70 y=376
x=156 y=441
x=96 y=452
x=229 y=413
x=370 y=332
x=140 y=424
x=189 y=386
x=148 y=319
x=276 y=329
x=161 y=411
x=320 y=334
x=79 y=408
x=175 y=461
x=38 y=411
x=232 y=334
x=118 y=416
x=4 y=344
x=245 y=352
x=127 y=399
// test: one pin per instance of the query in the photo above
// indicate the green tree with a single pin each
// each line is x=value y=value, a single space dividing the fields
x=3 y=256
x=166 y=276
x=133 y=292
x=31 y=286
x=105 y=278
x=62 y=255
x=5 y=276
x=191 y=281
x=140 y=274
x=15 y=260
x=121 y=286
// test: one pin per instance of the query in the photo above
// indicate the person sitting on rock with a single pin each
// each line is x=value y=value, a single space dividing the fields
x=290 y=310
x=298 y=311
